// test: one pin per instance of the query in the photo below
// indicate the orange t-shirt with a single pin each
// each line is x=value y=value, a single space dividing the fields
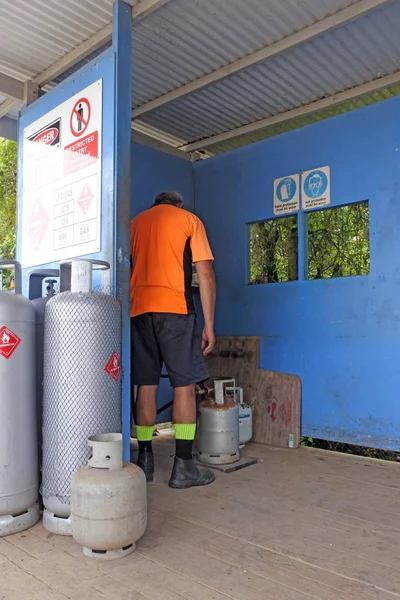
x=165 y=241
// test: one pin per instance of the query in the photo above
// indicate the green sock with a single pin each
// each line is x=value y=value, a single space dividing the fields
x=184 y=436
x=185 y=432
x=144 y=434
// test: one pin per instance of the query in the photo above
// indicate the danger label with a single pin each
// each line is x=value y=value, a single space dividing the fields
x=113 y=367
x=9 y=342
x=49 y=135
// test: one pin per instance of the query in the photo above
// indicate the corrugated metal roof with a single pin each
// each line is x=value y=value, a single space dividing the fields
x=348 y=56
x=298 y=122
x=184 y=40
x=34 y=34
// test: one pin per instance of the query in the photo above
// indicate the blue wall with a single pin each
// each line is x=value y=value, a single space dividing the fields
x=342 y=336
x=154 y=172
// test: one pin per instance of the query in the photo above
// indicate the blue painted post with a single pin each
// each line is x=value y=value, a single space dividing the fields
x=303 y=245
x=122 y=46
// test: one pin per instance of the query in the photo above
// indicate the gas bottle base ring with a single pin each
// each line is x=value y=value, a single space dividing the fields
x=11 y=524
x=56 y=525
x=220 y=459
x=109 y=554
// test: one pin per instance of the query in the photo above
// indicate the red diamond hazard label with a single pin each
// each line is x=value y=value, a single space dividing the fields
x=8 y=342
x=37 y=225
x=113 y=367
x=85 y=199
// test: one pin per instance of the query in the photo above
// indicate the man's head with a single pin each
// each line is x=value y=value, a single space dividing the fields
x=169 y=198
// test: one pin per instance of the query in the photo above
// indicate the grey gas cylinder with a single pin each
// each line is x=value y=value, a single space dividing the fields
x=19 y=508
x=218 y=427
x=35 y=294
x=81 y=386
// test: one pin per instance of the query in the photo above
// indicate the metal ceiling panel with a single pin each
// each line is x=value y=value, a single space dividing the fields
x=34 y=34
x=347 y=57
x=187 y=39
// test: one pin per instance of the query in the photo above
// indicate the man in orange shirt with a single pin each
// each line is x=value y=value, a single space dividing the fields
x=165 y=241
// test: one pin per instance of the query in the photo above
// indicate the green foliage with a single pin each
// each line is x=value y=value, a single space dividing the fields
x=338 y=242
x=273 y=251
x=8 y=202
x=337 y=239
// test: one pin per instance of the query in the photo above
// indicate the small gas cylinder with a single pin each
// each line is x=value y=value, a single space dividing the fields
x=108 y=501
x=218 y=427
x=245 y=415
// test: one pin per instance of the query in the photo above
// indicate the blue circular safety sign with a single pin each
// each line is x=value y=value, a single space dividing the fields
x=315 y=184
x=286 y=189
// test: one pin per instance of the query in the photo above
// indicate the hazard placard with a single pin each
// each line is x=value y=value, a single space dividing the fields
x=61 y=181
x=113 y=367
x=37 y=224
x=9 y=342
x=85 y=199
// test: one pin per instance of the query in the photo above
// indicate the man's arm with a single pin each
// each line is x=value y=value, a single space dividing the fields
x=205 y=273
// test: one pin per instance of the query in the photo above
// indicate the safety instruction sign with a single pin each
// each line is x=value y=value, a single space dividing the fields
x=316 y=188
x=286 y=194
x=61 y=181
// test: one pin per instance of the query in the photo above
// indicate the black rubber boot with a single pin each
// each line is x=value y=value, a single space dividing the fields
x=185 y=474
x=146 y=463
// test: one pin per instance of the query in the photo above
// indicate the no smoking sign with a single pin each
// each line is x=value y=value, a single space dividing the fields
x=80 y=117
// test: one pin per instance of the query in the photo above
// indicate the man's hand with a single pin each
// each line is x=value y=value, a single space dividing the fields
x=207 y=340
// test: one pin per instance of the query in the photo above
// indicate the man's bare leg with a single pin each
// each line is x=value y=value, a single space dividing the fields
x=145 y=419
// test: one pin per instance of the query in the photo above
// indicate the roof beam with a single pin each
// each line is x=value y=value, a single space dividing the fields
x=342 y=17
x=9 y=86
x=142 y=9
x=309 y=109
x=9 y=130
x=70 y=59
x=6 y=106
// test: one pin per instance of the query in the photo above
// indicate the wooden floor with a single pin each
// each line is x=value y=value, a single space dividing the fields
x=302 y=524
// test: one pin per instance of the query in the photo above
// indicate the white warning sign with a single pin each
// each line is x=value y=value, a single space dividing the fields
x=62 y=165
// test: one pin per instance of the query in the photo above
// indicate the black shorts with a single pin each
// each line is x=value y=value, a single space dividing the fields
x=167 y=338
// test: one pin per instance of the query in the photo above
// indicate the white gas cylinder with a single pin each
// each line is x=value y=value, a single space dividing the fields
x=245 y=416
x=245 y=423
x=108 y=501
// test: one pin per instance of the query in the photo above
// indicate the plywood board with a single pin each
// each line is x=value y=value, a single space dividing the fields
x=274 y=397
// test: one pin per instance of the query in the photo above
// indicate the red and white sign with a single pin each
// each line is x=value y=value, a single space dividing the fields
x=37 y=224
x=9 y=342
x=81 y=154
x=80 y=117
x=85 y=199
x=61 y=180
x=113 y=367
x=49 y=135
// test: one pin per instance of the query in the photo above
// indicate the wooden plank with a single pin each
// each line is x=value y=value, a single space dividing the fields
x=274 y=397
x=253 y=559
x=253 y=526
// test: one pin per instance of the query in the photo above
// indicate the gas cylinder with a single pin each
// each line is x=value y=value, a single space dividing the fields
x=35 y=294
x=81 y=385
x=245 y=415
x=108 y=501
x=218 y=426
x=19 y=508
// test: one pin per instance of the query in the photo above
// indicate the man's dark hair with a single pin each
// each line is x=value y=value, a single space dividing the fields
x=169 y=198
